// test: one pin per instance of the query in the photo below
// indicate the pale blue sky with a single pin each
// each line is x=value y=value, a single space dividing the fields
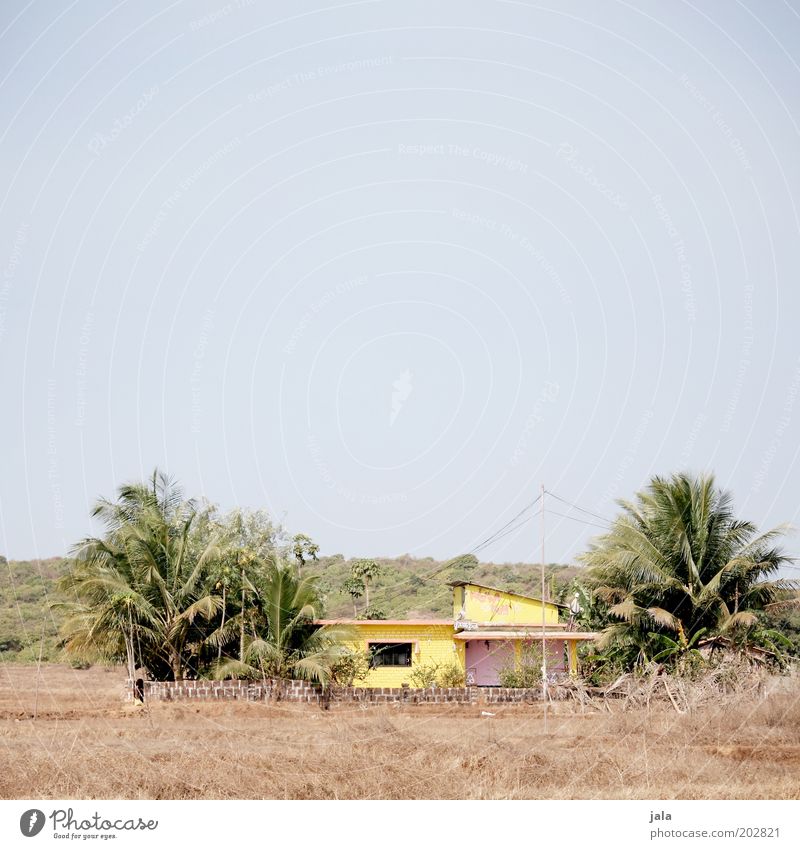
x=382 y=268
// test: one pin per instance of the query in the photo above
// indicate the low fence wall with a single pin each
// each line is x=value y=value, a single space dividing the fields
x=275 y=690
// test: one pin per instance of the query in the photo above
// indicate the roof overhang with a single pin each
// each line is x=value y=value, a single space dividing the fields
x=531 y=634
x=378 y=622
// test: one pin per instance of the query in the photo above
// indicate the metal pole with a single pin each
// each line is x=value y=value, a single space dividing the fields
x=544 y=622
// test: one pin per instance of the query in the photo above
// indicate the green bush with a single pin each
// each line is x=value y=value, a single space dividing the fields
x=450 y=675
x=351 y=666
x=524 y=671
x=424 y=675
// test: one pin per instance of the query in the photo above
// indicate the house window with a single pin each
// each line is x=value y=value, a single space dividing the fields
x=390 y=654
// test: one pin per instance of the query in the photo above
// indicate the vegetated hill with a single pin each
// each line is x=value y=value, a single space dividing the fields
x=406 y=587
x=417 y=587
x=26 y=589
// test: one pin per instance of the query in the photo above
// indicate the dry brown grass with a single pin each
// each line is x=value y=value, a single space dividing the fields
x=86 y=744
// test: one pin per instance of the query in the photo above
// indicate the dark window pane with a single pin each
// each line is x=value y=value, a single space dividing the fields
x=390 y=654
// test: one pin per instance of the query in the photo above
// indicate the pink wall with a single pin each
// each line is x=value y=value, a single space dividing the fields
x=484 y=664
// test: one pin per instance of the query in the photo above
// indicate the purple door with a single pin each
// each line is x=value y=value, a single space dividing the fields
x=485 y=659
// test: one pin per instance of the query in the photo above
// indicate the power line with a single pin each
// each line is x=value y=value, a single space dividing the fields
x=578 y=507
x=499 y=536
x=501 y=532
x=495 y=535
x=576 y=519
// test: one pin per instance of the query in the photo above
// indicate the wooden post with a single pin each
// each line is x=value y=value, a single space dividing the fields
x=544 y=611
x=38 y=674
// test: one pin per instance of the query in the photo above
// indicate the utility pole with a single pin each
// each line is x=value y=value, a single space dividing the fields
x=38 y=673
x=544 y=621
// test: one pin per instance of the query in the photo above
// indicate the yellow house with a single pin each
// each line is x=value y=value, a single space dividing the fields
x=487 y=633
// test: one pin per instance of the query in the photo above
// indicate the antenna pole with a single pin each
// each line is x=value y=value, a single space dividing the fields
x=544 y=621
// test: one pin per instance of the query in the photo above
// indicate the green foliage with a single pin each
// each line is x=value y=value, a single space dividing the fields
x=463 y=567
x=284 y=643
x=423 y=674
x=242 y=540
x=450 y=675
x=305 y=550
x=136 y=593
x=602 y=668
x=409 y=587
x=366 y=571
x=678 y=563
x=374 y=613
x=431 y=674
x=417 y=587
x=592 y=612
x=783 y=618
x=524 y=670
x=355 y=588
x=26 y=590
x=350 y=666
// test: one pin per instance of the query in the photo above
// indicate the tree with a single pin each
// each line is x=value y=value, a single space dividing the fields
x=284 y=641
x=351 y=666
x=304 y=549
x=462 y=567
x=138 y=590
x=355 y=588
x=367 y=571
x=677 y=561
x=244 y=539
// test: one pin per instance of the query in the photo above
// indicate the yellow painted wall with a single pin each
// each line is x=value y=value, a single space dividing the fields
x=432 y=644
x=572 y=648
x=482 y=605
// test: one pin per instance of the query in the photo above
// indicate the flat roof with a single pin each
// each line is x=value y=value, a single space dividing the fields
x=530 y=634
x=506 y=592
x=384 y=622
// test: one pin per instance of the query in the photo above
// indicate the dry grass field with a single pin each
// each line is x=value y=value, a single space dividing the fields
x=85 y=743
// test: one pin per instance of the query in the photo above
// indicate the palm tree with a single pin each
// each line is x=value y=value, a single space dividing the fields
x=678 y=561
x=244 y=539
x=139 y=588
x=285 y=642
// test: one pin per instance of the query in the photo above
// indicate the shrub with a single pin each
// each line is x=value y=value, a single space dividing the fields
x=450 y=675
x=424 y=675
x=523 y=671
x=350 y=667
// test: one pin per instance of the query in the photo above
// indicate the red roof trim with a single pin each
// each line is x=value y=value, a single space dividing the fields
x=384 y=622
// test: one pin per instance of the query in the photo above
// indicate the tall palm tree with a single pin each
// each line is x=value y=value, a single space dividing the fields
x=244 y=539
x=677 y=560
x=139 y=588
x=285 y=642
